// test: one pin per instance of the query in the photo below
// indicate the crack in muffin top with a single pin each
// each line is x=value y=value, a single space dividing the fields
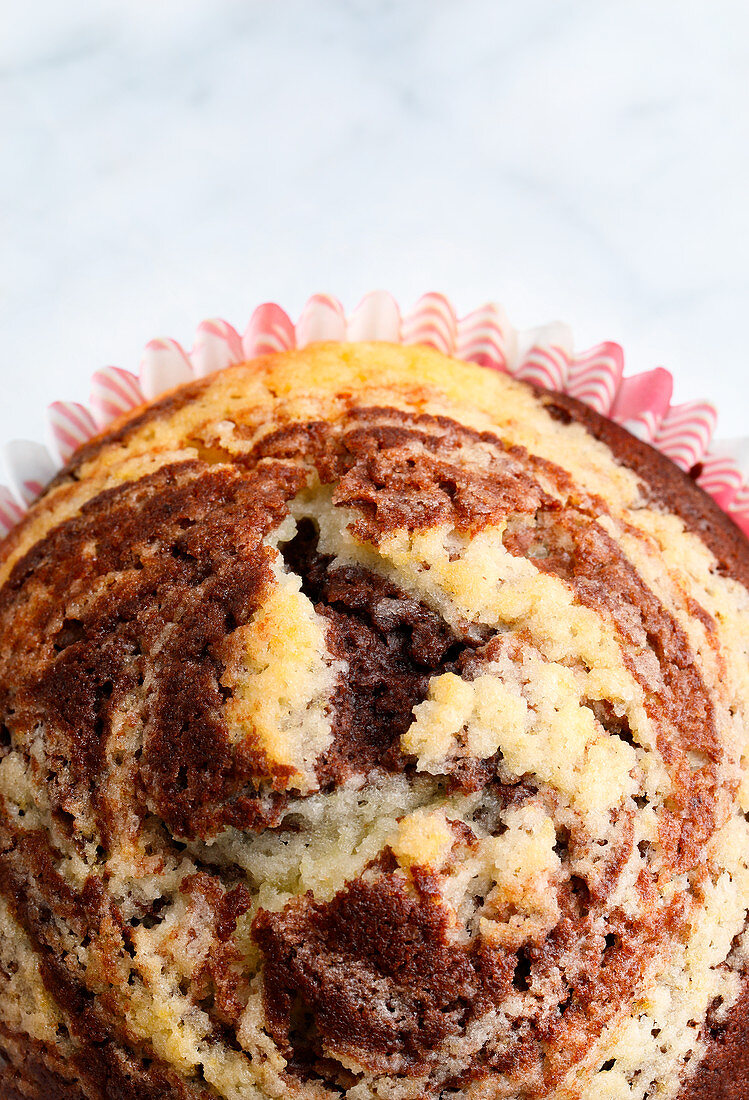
x=370 y=725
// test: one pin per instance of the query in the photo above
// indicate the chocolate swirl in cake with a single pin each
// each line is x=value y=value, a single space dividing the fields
x=371 y=726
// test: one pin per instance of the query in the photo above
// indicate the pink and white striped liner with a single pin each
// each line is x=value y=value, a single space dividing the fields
x=545 y=355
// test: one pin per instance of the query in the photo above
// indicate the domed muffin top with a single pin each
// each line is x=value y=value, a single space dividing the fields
x=371 y=724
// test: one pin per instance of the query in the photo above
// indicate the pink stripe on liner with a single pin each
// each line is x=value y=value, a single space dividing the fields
x=70 y=425
x=721 y=478
x=217 y=345
x=739 y=510
x=685 y=432
x=486 y=337
x=431 y=322
x=545 y=367
x=594 y=376
x=114 y=392
x=644 y=426
x=270 y=330
x=643 y=398
x=10 y=511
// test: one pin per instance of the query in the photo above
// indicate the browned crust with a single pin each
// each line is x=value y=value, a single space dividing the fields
x=667 y=485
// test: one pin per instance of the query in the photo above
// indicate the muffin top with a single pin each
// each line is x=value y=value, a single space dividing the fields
x=371 y=724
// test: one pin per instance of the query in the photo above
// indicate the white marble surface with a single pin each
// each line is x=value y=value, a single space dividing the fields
x=163 y=162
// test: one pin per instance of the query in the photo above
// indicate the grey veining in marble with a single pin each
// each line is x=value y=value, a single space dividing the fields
x=163 y=162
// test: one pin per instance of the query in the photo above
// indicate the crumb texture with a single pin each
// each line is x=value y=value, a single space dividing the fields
x=372 y=726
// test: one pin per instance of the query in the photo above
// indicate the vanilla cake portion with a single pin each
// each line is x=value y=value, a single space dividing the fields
x=373 y=725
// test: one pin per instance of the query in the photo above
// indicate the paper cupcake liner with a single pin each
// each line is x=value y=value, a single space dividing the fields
x=544 y=355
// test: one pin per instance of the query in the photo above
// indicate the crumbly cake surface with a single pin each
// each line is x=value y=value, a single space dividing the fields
x=372 y=725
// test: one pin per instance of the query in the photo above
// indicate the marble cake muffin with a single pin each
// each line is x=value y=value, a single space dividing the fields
x=373 y=725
